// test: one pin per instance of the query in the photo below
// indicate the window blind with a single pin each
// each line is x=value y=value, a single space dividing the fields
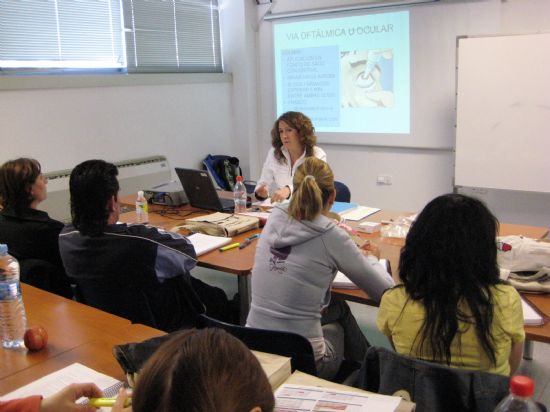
x=172 y=35
x=61 y=34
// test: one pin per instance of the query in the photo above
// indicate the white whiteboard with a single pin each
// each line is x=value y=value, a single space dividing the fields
x=503 y=112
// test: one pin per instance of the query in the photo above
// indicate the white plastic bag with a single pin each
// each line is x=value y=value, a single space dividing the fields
x=518 y=253
x=518 y=257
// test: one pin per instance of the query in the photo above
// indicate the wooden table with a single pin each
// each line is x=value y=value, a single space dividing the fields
x=60 y=316
x=79 y=333
x=240 y=262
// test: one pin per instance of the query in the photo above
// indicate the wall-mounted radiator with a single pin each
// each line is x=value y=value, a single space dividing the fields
x=133 y=175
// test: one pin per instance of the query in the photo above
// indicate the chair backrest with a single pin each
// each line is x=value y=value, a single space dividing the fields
x=342 y=192
x=45 y=275
x=431 y=386
x=288 y=344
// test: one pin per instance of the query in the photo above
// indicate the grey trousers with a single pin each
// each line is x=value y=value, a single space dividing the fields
x=343 y=339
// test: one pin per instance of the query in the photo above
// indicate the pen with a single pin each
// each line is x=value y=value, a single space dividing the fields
x=107 y=402
x=249 y=240
x=253 y=236
x=231 y=246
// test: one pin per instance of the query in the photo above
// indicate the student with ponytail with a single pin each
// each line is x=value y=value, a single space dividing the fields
x=297 y=257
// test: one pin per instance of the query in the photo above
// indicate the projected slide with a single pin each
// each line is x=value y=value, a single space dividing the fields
x=347 y=74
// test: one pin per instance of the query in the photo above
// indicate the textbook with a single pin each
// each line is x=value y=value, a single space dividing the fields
x=277 y=368
x=74 y=373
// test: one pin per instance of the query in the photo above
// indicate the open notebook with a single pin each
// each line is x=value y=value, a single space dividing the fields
x=74 y=373
x=206 y=243
x=343 y=282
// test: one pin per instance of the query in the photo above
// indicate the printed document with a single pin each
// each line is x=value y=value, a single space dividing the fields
x=290 y=398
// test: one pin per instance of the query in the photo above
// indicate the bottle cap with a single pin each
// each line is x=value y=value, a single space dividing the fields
x=522 y=386
x=239 y=178
x=3 y=249
x=140 y=193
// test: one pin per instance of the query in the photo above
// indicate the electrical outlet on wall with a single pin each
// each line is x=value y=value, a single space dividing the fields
x=383 y=180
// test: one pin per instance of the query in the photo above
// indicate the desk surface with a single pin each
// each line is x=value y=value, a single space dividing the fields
x=79 y=333
x=69 y=324
x=240 y=262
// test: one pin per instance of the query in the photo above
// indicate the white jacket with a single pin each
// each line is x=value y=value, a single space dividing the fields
x=276 y=174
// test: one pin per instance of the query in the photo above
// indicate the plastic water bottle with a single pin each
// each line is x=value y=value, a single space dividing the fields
x=239 y=195
x=13 y=320
x=520 y=398
x=142 y=208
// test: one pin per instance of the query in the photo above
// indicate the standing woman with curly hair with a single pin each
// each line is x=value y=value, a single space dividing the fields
x=293 y=139
x=452 y=307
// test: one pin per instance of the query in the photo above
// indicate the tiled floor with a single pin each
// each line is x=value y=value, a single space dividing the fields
x=538 y=368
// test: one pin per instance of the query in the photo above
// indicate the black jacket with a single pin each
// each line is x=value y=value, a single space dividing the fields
x=134 y=271
x=32 y=238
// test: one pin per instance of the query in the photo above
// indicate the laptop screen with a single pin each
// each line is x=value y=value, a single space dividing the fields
x=201 y=192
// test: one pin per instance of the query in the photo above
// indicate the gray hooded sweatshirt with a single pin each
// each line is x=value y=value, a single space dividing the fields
x=295 y=264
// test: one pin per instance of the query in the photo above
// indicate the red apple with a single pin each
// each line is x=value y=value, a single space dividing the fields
x=36 y=338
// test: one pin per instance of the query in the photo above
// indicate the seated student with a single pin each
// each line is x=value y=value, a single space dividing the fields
x=205 y=370
x=30 y=234
x=293 y=139
x=297 y=258
x=452 y=308
x=107 y=259
x=62 y=401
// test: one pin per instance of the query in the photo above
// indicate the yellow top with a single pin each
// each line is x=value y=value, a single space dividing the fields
x=401 y=318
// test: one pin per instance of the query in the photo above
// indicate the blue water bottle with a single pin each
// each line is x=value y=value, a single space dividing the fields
x=13 y=320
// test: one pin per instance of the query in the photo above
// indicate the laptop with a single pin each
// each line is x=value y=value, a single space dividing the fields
x=201 y=192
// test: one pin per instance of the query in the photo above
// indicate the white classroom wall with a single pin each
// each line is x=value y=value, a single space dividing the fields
x=187 y=120
x=418 y=175
x=62 y=127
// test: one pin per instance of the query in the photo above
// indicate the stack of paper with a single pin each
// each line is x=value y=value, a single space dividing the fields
x=206 y=243
x=530 y=315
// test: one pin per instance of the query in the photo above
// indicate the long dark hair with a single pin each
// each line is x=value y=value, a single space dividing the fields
x=449 y=259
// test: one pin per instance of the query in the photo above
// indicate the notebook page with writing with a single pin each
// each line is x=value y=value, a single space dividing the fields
x=74 y=373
